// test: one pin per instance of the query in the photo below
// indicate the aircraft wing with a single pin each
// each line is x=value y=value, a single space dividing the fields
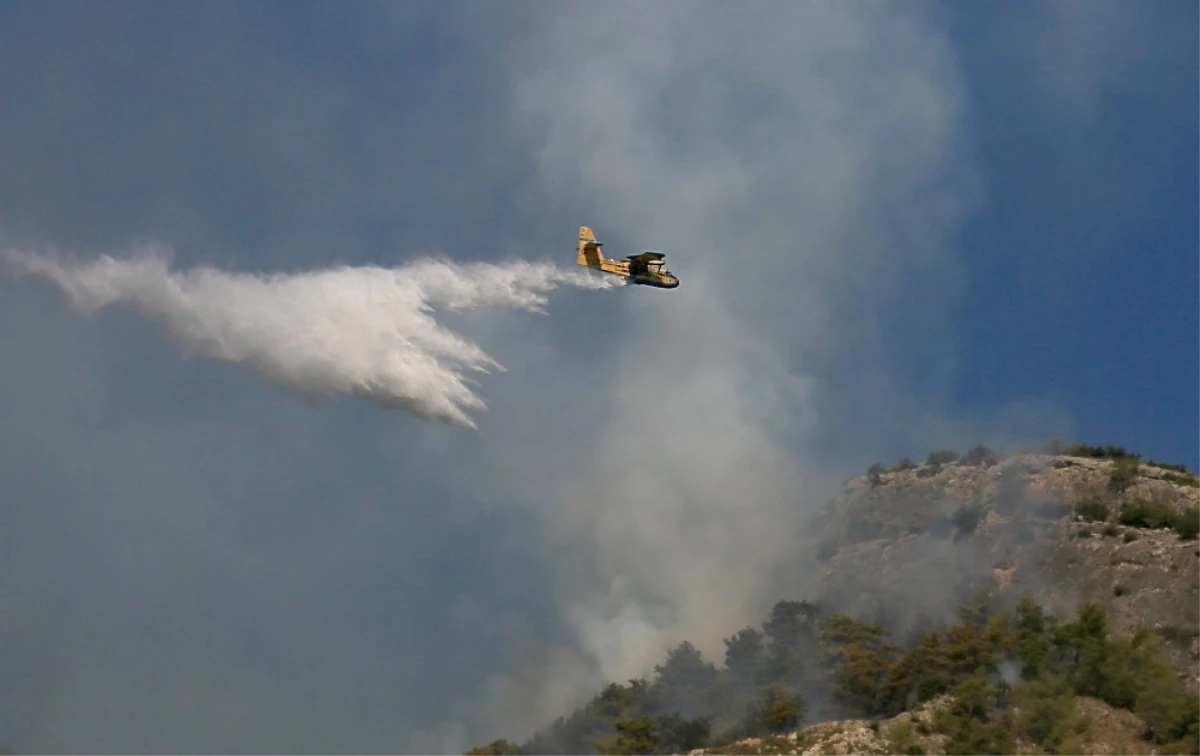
x=648 y=256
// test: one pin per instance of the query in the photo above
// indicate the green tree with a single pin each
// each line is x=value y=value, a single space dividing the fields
x=1092 y=669
x=1170 y=711
x=1032 y=644
x=858 y=657
x=634 y=736
x=860 y=680
x=679 y=735
x=744 y=655
x=580 y=732
x=685 y=682
x=685 y=667
x=1100 y=664
x=792 y=631
x=921 y=674
x=779 y=709
x=1123 y=474
x=976 y=609
x=792 y=624
x=1047 y=711
x=974 y=737
x=617 y=701
x=1187 y=523
x=968 y=720
x=838 y=630
x=966 y=651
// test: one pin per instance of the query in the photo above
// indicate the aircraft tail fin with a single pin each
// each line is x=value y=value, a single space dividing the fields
x=588 y=252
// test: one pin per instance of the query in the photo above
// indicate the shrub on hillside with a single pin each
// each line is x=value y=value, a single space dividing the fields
x=1182 y=479
x=874 y=472
x=1147 y=513
x=1047 y=712
x=1187 y=523
x=929 y=471
x=779 y=709
x=679 y=735
x=942 y=457
x=634 y=736
x=1092 y=508
x=1077 y=449
x=1124 y=473
x=967 y=519
x=970 y=722
x=980 y=456
x=1166 y=466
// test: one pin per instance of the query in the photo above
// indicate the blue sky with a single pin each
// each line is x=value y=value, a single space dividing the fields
x=1096 y=265
x=923 y=226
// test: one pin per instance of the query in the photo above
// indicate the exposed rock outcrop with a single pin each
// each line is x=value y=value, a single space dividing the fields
x=911 y=545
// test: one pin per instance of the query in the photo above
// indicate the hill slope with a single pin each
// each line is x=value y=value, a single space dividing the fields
x=909 y=545
x=1104 y=730
x=1043 y=602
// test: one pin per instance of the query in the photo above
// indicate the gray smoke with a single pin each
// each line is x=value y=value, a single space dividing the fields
x=361 y=331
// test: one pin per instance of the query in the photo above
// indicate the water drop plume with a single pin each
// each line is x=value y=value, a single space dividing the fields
x=364 y=331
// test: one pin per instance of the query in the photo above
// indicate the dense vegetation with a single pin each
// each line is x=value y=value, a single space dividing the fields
x=1013 y=676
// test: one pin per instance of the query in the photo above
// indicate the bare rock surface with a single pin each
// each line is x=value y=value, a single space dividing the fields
x=1108 y=731
x=910 y=546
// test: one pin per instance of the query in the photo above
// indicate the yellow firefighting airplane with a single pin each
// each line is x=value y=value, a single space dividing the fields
x=646 y=269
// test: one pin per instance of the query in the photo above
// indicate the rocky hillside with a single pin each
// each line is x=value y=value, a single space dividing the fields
x=1097 y=729
x=910 y=543
x=1045 y=602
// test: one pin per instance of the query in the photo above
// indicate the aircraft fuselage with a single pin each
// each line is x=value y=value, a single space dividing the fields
x=635 y=276
x=645 y=269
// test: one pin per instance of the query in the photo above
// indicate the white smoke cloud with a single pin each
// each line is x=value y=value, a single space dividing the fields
x=792 y=244
x=362 y=331
x=802 y=207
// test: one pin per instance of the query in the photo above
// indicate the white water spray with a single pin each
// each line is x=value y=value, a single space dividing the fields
x=361 y=331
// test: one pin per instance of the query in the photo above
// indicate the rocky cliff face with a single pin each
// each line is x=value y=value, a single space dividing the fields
x=912 y=544
x=1109 y=731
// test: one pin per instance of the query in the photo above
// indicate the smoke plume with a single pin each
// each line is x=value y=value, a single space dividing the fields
x=362 y=331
